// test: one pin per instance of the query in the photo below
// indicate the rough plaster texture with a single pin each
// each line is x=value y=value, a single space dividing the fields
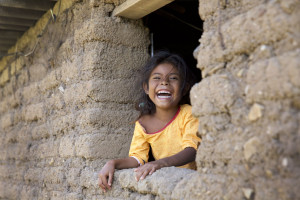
x=248 y=99
x=66 y=109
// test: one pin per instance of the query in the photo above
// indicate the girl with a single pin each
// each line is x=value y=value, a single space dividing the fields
x=165 y=123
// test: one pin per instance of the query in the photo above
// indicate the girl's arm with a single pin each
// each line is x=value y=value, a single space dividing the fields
x=183 y=157
x=107 y=172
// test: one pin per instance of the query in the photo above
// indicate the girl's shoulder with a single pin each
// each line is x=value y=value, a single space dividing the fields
x=186 y=113
x=144 y=118
x=186 y=109
x=145 y=122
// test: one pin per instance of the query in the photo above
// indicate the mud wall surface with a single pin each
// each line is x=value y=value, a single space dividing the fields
x=67 y=108
x=248 y=99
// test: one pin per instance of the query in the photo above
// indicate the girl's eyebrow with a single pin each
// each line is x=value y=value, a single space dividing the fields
x=156 y=73
x=172 y=73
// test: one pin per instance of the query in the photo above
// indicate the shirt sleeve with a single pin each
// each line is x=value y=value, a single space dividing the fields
x=139 y=148
x=190 y=128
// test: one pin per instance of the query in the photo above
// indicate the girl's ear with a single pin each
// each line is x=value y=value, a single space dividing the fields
x=145 y=86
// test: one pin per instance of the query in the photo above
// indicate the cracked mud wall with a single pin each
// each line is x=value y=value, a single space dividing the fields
x=248 y=99
x=67 y=108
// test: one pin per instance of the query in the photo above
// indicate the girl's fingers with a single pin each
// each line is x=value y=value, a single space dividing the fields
x=152 y=171
x=142 y=171
x=138 y=171
x=103 y=182
x=144 y=174
x=101 y=185
x=141 y=174
x=110 y=179
x=139 y=168
x=138 y=175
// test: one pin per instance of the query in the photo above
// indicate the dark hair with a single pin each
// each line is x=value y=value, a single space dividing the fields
x=144 y=103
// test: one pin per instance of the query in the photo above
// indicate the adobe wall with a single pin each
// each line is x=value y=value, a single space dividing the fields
x=66 y=109
x=248 y=100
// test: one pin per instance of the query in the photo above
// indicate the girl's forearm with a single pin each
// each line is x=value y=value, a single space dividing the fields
x=183 y=157
x=124 y=163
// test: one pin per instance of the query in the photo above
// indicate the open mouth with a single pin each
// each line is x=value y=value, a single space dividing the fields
x=163 y=94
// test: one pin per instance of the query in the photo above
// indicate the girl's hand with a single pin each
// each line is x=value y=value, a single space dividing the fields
x=106 y=175
x=183 y=157
x=107 y=172
x=148 y=168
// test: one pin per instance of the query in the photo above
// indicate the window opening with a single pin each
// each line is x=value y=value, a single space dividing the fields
x=176 y=27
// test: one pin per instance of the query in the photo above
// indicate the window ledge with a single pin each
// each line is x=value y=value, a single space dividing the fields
x=166 y=183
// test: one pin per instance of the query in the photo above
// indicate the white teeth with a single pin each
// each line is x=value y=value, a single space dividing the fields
x=164 y=97
x=164 y=92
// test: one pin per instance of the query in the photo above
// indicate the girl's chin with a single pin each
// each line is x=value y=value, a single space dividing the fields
x=163 y=101
x=165 y=105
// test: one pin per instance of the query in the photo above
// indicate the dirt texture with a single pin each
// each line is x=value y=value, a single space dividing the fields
x=248 y=99
x=67 y=108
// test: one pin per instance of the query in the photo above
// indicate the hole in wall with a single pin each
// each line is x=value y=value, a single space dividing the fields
x=177 y=27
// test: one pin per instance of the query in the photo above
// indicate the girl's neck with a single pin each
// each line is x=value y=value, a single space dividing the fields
x=165 y=115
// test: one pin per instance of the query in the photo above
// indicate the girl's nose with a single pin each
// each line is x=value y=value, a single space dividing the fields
x=164 y=82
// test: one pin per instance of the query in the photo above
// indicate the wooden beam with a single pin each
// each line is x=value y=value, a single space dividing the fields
x=4 y=47
x=136 y=9
x=13 y=27
x=7 y=41
x=17 y=21
x=42 y=5
x=20 y=13
x=10 y=34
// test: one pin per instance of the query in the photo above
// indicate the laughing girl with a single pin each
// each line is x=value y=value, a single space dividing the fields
x=165 y=125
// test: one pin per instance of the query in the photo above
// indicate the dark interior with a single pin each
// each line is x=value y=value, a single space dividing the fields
x=177 y=27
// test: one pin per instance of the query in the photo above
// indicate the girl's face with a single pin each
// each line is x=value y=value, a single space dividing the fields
x=164 y=86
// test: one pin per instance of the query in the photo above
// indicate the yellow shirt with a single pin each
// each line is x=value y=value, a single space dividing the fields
x=179 y=133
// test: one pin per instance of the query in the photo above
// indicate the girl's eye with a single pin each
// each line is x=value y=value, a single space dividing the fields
x=156 y=77
x=173 y=78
